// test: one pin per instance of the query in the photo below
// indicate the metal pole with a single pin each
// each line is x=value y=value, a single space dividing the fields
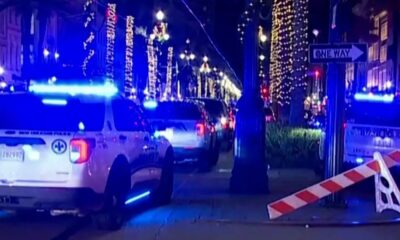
x=335 y=114
x=249 y=174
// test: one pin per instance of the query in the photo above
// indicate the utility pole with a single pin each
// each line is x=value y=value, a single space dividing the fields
x=335 y=115
x=249 y=175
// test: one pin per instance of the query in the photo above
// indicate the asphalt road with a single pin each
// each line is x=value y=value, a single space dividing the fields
x=200 y=202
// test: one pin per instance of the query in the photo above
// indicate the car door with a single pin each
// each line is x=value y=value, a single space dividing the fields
x=150 y=146
x=131 y=138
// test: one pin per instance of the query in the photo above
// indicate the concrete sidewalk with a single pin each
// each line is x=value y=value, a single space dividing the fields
x=207 y=197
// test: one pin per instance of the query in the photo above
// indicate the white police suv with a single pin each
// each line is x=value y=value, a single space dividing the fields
x=73 y=149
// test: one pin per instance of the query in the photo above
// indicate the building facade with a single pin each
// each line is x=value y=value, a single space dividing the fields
x=43 y=46
x=10 y=44
x=380 y=75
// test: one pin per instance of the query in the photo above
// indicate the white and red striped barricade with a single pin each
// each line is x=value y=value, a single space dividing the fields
x=332 y=185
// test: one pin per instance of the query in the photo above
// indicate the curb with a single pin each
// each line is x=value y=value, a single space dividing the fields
x=306 y=224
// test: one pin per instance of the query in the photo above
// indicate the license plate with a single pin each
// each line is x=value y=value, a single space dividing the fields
x=11 y=155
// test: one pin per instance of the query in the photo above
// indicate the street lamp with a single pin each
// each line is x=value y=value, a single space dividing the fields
x=166 y=36
x=160 y=15
x=262 y=57
x=192 y=56
x=205 y=59
x=261 y=35
x=56 y=55
x=315 y=32
x=2 y=70
x=46 y=52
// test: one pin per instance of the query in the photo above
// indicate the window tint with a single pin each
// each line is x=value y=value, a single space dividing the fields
x=175 y=110
x=126 y=116
x=214 y=108
x=28 y=112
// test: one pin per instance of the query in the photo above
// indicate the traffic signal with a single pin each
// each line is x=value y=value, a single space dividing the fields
x=264 y=91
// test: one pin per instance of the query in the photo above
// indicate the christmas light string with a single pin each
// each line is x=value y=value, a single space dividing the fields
x=88 y=44
x=111 y=33
x=129 y=38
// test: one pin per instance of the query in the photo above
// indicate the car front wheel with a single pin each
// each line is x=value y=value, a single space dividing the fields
x=111 y=216
x=162 y=195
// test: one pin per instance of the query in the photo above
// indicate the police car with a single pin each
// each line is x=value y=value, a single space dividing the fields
x=76 y=149
x=371 y=126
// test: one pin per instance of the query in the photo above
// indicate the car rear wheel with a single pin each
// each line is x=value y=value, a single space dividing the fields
x=162 y=195
x=111 y=217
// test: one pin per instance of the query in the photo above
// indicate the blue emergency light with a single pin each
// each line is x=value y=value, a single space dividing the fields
x=150 y=104
x=106 y=90
x=369 y=97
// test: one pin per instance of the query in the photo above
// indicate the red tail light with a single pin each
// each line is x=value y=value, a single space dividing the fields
x=200 y=128
x=79 y=151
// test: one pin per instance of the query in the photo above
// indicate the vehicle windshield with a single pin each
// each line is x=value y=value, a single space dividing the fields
x=174 y=110
x=26 y=112
x=214 y=107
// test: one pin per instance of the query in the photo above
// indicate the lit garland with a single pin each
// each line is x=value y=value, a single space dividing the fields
x=168 y=90
x=300 y=44
x=152 y=60
x=88 y=45
x=212 y=88
x=282 y=39
x=129 y=55
x=199 y=86
x=111 y=23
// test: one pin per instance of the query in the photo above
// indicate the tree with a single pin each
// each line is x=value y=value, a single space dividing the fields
x=282 y=56
x=289 y=58
x=300 y=63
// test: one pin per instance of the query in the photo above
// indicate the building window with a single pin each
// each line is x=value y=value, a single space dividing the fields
x=349 y=74
x=376 y=26
x=383 y=54
x=375 y=53
x=382 y=79
x=384 y=29
x=369 y=82
x=370 y=53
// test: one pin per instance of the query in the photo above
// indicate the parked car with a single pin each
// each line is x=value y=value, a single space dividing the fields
x=72 y=154
x=220 y=117
x=188 y=127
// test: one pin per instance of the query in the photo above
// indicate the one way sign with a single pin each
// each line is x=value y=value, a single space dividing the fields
x=348 y=52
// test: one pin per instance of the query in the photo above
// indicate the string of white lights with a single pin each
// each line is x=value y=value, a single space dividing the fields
x=88 y=43
x=168 y=90
x=129 y=38
x=111 y=33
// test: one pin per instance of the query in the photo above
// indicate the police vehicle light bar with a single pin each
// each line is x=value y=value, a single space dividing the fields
x=150 y=104
x=106 y=90
x=369 y=97
x=59 y=102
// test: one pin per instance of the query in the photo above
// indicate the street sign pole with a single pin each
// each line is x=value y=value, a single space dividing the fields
x=336 y=105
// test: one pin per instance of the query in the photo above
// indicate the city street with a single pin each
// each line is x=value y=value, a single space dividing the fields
x=201 y=209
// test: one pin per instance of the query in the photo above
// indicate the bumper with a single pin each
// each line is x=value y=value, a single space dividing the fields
x=187 y=153
x=49 y=198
